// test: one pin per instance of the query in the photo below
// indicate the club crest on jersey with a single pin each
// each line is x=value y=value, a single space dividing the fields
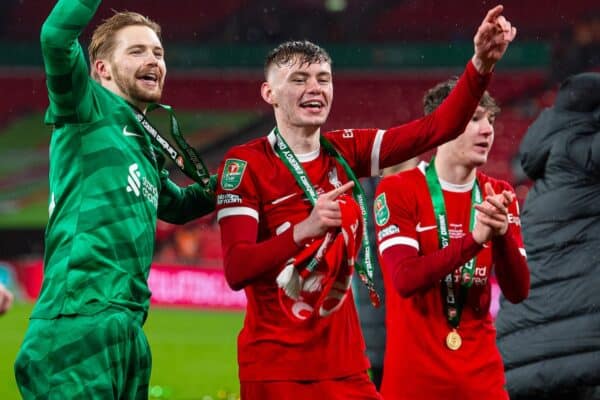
x=382 y=213
x=233 y=171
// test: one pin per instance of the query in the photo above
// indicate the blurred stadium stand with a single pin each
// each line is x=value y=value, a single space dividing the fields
x=386 y=54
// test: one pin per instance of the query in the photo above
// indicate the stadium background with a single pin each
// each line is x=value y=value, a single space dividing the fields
x=386 y=54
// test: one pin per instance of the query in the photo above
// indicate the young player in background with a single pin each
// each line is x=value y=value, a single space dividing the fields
x=107 y=189
x=437 y=255
x=281 y=210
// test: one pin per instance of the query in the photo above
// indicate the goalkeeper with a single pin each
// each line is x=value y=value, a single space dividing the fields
x=107 y=186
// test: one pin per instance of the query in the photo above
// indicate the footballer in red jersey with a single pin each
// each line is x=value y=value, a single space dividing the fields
x=441 y=229
x=286 y=239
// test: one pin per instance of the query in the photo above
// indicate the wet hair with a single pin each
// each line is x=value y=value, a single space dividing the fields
x=303 y=51
x=103 y=39
x=437 y=94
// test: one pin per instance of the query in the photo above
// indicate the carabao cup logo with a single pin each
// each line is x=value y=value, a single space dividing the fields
x=233 y=172
x=382 y=213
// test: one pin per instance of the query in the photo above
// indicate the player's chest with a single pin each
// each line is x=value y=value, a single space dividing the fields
x=458 y=224
x=283 y=201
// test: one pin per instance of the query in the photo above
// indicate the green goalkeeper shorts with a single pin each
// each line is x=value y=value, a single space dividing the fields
x=100 y=356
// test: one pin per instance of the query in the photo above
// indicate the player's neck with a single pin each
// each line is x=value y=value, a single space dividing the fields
x=301 y=140
x=452 y=172
x=111 y=86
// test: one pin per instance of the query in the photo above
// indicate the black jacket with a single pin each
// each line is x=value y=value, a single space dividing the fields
x=551 y=341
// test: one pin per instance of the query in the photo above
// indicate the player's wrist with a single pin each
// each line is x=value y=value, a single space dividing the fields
x=482 y=67
x=479 y=237
x=301 y=234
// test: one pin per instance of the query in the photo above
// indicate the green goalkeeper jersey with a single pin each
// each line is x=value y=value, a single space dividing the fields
x=107 y=184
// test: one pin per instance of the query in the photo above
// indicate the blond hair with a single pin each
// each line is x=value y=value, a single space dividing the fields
x=103 y=39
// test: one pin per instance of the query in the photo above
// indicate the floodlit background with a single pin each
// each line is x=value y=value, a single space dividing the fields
x=386 y=54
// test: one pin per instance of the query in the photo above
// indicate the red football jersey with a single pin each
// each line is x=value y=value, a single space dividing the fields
x=418 y=364
x=271 y=346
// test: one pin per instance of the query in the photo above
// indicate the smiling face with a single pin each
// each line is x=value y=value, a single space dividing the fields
x=300 y=93
x=472 y=147
x=135 y=69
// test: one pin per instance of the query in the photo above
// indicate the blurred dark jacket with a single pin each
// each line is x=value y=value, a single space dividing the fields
x=550 y=342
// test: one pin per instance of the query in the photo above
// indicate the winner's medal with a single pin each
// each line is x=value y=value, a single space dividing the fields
x=453 y=340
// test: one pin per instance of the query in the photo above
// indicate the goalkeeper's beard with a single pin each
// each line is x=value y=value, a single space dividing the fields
x=129 y=86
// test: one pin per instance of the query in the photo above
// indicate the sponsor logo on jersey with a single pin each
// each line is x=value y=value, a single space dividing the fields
x=129 y=133
x=283 y=198
x=233 y=171
x=228 y=198
x=388 y=231
x=348 y=134
x=382 y=213
x=332 y=176
x=133 y=180
x=139 y=185
x=514 y=219
x=420 y=228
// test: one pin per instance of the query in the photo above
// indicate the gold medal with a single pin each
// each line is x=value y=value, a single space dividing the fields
x=453 y=340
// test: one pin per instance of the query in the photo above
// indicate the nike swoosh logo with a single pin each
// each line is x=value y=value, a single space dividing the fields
x=127 y=133
x=420 y=228
x=284 y=198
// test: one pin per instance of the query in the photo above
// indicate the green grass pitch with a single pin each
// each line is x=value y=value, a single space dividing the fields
x=193 y=352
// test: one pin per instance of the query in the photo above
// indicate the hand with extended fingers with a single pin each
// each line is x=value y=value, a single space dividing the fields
x=325 y=214
x=492 y=39
x=492 y=215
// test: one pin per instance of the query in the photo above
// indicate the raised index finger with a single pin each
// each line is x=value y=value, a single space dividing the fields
x=493 y=14
x=332 y=194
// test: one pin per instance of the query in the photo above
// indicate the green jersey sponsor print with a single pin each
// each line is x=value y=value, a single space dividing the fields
x=233 y=171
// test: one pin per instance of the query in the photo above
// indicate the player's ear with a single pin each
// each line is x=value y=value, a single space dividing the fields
x=102 y=69
x=266 y=91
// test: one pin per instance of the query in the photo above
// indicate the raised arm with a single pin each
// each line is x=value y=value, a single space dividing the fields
x=64 y=60
x=450 y=119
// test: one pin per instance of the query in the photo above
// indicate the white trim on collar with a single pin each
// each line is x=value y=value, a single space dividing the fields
x=306 y=157
x=448 y=186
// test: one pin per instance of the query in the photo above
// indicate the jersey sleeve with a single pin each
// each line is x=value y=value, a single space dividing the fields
x=514 y=221
x=447 y=122
x=509 y=257
x=237 y=186
x=178 y=205
x=360 y=148
x=370 y=150
x=395 y=214
x=238 y=207
x=67 y=73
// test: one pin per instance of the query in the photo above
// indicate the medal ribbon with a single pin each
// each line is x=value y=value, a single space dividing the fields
x=452 y=306
x=365 y=271
x=187 y=160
